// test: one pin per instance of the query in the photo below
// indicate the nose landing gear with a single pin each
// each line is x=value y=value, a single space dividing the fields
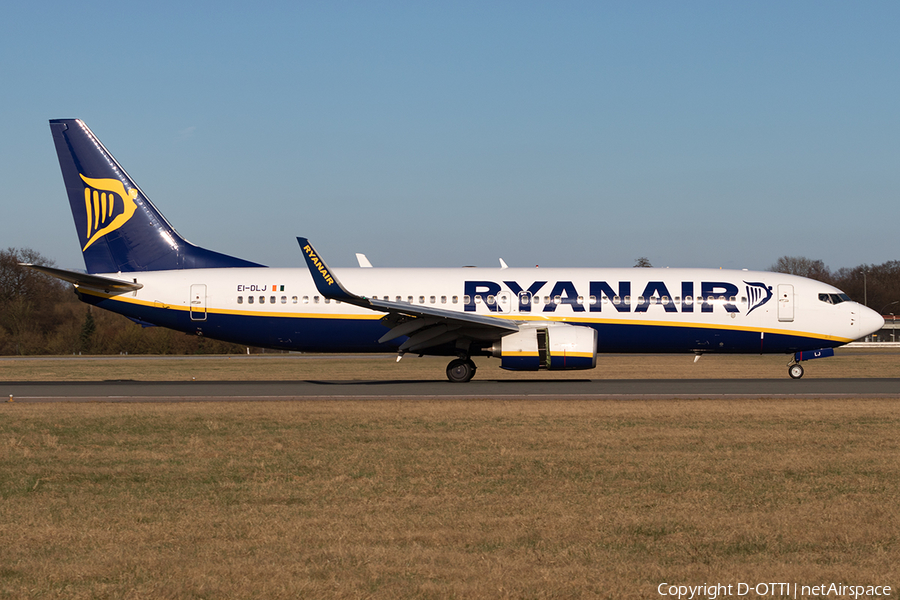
x=795 y=371
x=794 y=368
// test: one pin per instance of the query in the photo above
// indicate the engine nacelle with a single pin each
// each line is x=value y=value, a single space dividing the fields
x=553 y=347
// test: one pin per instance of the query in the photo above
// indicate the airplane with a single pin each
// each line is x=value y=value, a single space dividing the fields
x=529 y=318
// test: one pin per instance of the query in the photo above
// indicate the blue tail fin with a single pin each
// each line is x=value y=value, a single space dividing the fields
x=118 y=227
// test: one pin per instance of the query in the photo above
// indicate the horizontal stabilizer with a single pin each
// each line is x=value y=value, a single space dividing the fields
x=97 y=282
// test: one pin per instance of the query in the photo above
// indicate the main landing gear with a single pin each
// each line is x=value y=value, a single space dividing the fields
x=461 y=370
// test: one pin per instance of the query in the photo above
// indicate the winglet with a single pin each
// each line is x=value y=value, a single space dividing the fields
x=325 y=280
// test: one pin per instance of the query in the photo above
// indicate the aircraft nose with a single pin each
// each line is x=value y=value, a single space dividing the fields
x=869 y=321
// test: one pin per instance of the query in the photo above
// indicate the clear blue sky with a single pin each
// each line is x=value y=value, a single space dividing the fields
x=714 y=134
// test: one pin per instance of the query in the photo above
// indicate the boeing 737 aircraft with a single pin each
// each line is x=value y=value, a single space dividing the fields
x=139 y=266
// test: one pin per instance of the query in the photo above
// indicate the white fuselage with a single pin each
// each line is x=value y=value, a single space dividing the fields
x=639 y=310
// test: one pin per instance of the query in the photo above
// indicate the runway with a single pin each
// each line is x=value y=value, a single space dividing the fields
x=582 y=389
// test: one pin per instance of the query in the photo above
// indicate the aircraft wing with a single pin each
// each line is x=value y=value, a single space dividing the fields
x=426 y=326
x=97 y=282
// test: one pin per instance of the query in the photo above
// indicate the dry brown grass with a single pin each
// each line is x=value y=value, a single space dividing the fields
x=444 y=499
x=846 y=363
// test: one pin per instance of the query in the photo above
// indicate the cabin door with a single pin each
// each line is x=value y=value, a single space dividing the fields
x=198 y=302
x=785 y=302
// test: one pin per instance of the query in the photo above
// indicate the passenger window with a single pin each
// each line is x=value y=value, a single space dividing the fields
x=305 y=299
x=272 y=300
x=593 y=299
x=546 y=299
x=315 y=299
x=284 y=299
x=617 y=300
x=665 y=300
x=478 y=299
x=443 y=299
x=409 y=299
x=421 y=299
x=262 y=299
x=249 y=299
x=327 y=300
x=294 y=299
x=556 y=299
x=580 y=299
x=240 y=299
x=432 y=300
x=399 y=299
x=490 y=299
x=465 y=299
x=455 y=299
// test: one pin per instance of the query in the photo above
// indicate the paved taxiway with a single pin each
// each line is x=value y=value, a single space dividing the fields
x=200 y=391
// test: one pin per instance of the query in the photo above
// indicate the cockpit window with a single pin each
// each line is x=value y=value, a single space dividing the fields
x=834 y=298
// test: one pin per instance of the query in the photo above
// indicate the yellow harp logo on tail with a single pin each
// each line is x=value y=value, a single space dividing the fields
x=108 y=206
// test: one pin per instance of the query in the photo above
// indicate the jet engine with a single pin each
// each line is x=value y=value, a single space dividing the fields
x=550 y=346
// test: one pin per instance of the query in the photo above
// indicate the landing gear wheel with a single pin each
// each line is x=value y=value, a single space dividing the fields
x=795 y=371
x=460 y=370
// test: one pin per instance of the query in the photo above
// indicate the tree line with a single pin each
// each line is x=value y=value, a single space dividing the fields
x=40 y=314
x=876 y=286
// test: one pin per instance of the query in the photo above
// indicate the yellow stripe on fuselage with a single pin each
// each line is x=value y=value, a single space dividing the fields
x=517 y=317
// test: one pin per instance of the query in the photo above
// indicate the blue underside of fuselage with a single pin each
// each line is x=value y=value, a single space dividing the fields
x=322 y=334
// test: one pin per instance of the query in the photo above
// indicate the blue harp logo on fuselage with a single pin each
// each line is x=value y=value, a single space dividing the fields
x=107 y=206
x=757 y=294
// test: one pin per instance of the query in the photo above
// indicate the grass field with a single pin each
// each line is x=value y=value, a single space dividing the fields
x=444 y=499
x=449 y=499
x=846 y=363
